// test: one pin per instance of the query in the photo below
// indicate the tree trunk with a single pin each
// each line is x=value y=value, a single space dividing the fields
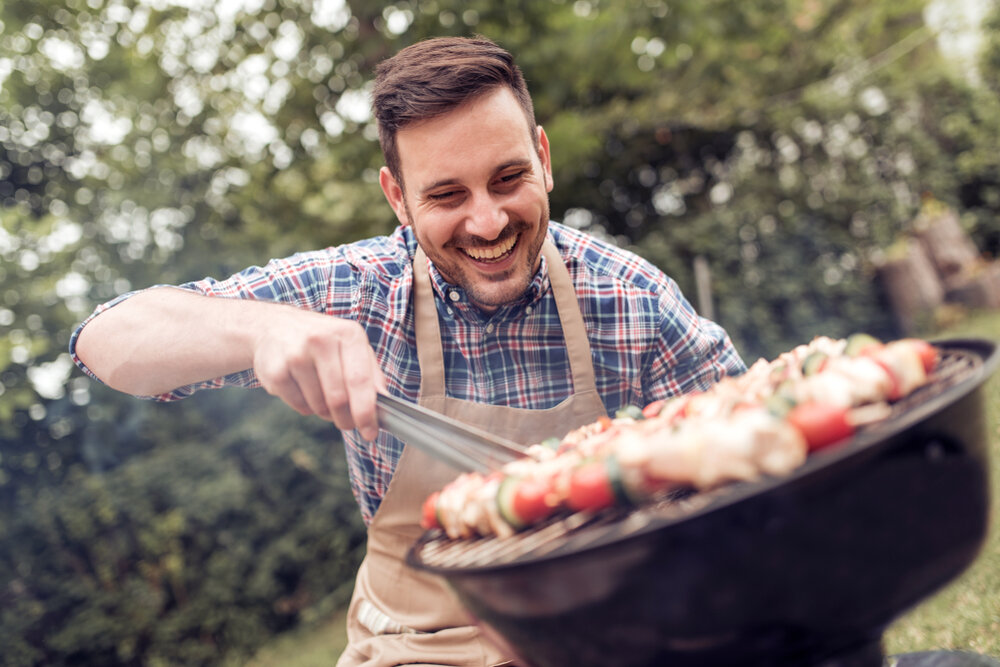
x=912 y=285
x=950 y=249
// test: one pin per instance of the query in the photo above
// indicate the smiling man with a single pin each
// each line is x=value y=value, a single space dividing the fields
x=477 y=306
x=478 y=179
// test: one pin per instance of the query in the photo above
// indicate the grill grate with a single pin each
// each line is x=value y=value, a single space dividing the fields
x=572 y=532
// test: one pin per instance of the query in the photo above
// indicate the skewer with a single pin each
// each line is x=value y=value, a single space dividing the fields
x=782 y=411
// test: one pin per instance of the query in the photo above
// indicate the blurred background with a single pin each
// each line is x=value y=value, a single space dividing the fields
x=800 y=167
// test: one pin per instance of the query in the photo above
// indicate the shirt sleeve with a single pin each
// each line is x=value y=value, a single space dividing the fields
x=692 y=354
x=318 y=281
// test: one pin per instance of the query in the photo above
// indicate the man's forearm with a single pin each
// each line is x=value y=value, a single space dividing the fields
x=166 y=338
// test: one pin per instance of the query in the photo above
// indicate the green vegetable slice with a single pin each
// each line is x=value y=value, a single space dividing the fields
x=857 y=343
x=505 y=502
x=813 y=362
x=633 y=411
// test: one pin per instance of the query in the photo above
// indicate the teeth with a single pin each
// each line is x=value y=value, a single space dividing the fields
x=494 y=252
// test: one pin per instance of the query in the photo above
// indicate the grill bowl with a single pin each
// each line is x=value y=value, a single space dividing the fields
x=806 y=569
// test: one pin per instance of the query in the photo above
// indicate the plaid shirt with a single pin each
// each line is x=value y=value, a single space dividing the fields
x=646 y=340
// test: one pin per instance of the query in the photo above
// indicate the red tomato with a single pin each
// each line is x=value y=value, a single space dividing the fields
x=590 y=488
x=428 y=517
x=530 y=503
x=677 y=408
x=821 y=424
x=653 y=409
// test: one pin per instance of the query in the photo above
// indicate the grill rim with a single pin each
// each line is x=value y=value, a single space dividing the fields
x=868 y=443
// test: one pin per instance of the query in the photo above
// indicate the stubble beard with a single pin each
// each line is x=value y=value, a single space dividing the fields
x=491 y=291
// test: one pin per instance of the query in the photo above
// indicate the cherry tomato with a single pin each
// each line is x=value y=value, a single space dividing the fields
x=589 y=487
x=428 y=518
x=677 y=409
x=821 y=424
x=653 y=409
x=530 y=502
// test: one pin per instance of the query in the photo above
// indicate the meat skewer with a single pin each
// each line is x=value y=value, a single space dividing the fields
x=764 y=422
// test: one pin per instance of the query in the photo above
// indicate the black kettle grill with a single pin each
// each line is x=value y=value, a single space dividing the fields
x=808 y=569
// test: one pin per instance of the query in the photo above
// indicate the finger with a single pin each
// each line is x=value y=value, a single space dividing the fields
x=308 y=384
x=284 y=387
x=348 y=383
x=335 y=393
x=360 y=372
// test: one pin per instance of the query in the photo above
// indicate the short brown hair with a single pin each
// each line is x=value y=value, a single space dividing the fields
x=434 y=76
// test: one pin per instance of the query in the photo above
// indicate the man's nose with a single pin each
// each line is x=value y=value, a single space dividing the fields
x=486 y=217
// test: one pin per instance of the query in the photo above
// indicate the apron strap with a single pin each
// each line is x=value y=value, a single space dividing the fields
x=429 y=348
x=430 y=355
x=574 y=331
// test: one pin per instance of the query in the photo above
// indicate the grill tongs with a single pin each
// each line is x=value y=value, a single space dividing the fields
x=464 y=447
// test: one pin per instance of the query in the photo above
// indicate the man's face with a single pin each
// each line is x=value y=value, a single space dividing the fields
x=476 y=195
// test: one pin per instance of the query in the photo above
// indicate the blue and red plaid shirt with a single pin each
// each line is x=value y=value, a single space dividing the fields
x=646 y=340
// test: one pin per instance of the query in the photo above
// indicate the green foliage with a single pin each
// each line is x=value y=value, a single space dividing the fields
x=787 y=143
x=211 y=542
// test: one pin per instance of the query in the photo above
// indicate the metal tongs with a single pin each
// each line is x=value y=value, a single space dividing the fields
x=462 y=446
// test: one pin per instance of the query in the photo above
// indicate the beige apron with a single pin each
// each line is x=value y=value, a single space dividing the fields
x=398 y=615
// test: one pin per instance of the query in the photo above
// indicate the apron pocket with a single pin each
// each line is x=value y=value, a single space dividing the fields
x=378 y=622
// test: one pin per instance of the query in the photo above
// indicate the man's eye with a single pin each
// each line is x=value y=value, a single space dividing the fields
x=443 y=196
x=512 y=177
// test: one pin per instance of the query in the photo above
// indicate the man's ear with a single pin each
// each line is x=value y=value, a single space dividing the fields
x=394 y=194
x=546 y=159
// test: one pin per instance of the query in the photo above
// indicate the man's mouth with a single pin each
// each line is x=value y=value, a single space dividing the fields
x=493 y=253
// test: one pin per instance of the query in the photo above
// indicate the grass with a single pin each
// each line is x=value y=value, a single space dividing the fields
x=965 y=615
x=314 y=645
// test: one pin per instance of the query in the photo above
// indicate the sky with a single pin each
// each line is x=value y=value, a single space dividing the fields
x=957 y=23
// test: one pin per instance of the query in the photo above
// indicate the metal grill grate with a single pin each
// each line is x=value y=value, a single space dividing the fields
x=572 y=532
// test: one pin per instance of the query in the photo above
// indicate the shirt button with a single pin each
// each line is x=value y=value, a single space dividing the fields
x=489 y=328
x=449 y=310
x=527 y=310
x=453 y=295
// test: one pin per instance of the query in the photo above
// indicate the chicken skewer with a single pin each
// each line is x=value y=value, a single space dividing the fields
x=764 y=422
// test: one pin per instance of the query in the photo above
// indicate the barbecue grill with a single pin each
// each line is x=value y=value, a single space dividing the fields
x=807 y=569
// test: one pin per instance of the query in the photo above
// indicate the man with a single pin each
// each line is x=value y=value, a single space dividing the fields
x=476 y=306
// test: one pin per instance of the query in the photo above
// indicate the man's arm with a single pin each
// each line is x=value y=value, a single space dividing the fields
x=165 y=338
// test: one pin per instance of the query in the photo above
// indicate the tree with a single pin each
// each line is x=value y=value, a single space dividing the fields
x=785 y=143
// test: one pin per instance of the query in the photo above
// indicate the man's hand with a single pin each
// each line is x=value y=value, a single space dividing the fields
x=320 y=365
